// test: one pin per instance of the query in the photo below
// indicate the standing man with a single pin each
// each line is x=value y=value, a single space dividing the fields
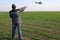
x=16 y=20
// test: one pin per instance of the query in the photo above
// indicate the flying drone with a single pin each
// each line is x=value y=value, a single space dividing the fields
x=38 y=2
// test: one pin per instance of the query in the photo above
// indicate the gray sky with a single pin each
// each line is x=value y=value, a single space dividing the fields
x=48 y=5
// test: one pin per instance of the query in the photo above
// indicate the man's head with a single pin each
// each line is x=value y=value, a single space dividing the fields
x=13 y=6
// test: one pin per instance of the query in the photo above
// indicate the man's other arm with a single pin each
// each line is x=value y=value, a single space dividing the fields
x=10 y=14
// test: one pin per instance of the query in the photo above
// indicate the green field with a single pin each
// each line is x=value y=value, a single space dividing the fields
x=35 y=26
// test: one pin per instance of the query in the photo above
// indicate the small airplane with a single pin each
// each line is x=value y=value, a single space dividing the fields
x=38 y=2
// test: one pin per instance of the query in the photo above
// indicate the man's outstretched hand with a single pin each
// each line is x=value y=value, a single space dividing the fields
x=23 y=8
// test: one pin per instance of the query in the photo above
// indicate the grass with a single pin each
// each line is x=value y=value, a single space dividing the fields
x=35 y=26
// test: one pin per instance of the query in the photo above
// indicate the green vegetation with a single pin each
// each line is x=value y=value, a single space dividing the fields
x=35 y=26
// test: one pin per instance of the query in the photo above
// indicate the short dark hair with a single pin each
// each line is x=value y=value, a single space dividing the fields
x=13 y=6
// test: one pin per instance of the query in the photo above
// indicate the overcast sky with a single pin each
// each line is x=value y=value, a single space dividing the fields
x=47 y=5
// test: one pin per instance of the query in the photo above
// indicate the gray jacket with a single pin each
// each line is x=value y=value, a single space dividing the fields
x=14 y=15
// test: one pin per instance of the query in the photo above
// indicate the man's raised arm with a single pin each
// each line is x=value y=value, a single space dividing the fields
x=22 y=9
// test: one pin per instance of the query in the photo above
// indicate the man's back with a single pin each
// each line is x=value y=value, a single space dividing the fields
x=14 y=14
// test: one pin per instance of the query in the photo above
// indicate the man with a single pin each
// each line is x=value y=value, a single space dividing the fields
x=16 y=20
